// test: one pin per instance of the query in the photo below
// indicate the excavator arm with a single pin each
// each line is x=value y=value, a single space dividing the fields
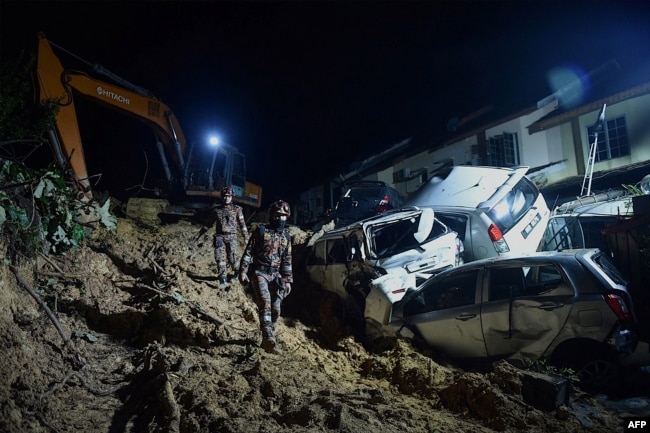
x=58 y=85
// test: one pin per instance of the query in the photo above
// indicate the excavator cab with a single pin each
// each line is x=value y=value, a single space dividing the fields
x=200 y=172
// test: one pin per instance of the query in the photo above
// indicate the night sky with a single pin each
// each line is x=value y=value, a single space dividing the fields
x=305 y=89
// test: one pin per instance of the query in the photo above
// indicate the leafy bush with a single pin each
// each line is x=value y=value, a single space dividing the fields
x=38 y=211
x=20 y=117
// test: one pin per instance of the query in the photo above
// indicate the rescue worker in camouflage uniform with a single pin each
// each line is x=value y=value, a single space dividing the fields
x=228 y=217
x=267 y=260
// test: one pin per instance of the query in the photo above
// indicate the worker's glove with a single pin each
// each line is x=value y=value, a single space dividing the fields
x=287 y=289
x=243 y=278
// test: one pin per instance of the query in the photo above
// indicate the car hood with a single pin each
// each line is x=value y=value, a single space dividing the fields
x=466 y=186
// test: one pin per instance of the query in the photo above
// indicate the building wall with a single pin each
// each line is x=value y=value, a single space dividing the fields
x=569 y=143
x=637 y=113
x=536 y=149
x=553 y=154
x=638 y=127
x=422 y=165
x=311 y=205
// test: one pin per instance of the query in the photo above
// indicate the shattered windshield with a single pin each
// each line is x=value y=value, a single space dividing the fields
x=399 y=236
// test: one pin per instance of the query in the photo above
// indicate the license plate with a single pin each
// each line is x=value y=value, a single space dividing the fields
x=423 y=265
x=531 y=225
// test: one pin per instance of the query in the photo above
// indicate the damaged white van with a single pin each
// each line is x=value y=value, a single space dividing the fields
x=410 y=241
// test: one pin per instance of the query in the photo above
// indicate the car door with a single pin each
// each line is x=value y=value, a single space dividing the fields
x=525 y=310
x=446 y=314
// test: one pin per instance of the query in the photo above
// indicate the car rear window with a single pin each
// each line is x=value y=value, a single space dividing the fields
x=509 y=210
x=609 y=268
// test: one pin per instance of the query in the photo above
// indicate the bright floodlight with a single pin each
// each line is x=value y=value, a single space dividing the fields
x=214 y=141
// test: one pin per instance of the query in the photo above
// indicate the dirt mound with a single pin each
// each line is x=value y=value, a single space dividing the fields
x=141 y=338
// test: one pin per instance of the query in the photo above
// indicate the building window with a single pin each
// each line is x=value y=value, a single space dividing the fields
x=503 y=150
x=612 y=142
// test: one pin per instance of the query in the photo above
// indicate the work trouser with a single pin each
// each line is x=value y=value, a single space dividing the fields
x=225 y=251
x=268 y=297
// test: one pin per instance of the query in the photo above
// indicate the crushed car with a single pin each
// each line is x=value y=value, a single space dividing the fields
x=408 y=242
x=570 y=308
x=496 y=211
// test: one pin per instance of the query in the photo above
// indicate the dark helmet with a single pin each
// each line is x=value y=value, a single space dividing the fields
x=227 y=191
x=280 y=207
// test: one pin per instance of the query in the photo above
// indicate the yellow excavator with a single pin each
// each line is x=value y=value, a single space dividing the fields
x=190 y=171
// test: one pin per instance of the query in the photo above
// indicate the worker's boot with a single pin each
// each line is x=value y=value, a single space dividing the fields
x=268 y=344
x=223 y=282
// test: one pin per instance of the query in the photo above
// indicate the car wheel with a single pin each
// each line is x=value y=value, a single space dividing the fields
x=599 y=375
x=596 y=367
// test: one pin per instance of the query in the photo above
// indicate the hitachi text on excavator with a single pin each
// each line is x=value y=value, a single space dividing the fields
x=191 y=171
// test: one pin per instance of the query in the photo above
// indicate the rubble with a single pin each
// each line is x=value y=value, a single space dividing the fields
x=155 y=345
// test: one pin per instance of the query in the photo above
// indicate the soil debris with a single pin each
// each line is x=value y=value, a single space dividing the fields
x=153 y=344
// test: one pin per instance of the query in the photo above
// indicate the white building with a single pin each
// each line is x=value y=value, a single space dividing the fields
x=553 y=141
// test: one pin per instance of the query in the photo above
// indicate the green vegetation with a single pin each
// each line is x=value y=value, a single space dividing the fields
x=21 y=119
x=542 y=366
x=38 y=209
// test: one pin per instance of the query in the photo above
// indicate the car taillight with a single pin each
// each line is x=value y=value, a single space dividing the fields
x=383 y=204
x=500 y=244
x=618 y=305
x=495 y=233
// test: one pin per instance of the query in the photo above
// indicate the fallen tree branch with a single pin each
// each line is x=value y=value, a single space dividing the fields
x=172 y=410
x=160 y=268
x=60 y=275
x=37 y=413
x=54 y=265
x=194 y=307
x=55 y=321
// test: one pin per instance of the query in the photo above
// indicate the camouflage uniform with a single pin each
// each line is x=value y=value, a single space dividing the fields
x=268 y=258
x=228 y=216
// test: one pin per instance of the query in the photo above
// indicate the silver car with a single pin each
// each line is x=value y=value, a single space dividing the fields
x=495 y=211
x=571 y=308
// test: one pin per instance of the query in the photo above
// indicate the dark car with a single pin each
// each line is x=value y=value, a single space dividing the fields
x=570 y=308
x=364 y=199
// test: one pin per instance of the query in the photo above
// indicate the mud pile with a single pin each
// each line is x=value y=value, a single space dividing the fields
x=141 y=338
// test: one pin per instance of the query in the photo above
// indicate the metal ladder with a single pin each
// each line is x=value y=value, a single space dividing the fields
x=599 y=126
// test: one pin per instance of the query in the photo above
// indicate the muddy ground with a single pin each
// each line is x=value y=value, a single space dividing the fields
x=141 y=339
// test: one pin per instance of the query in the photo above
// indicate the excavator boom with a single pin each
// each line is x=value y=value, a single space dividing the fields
x=59 y=86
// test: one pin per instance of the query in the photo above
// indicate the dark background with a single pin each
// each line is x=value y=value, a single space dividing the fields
x=306 y=89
